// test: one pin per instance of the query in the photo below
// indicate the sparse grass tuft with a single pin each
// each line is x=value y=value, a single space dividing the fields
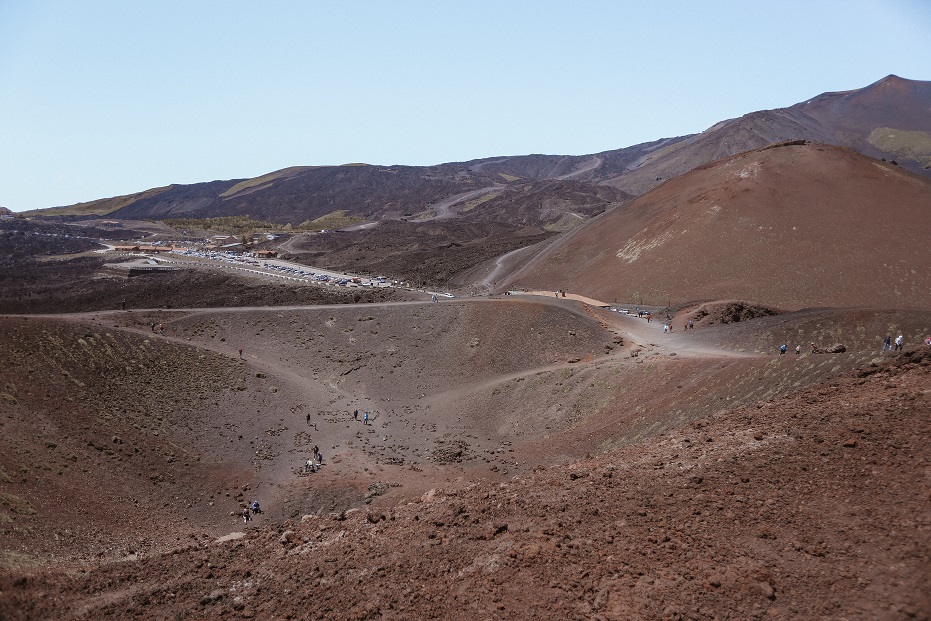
x=14 y=560
x=263 y=179
x=913 y=145
x=475 y=202
x=17 y=504
x=332 y=220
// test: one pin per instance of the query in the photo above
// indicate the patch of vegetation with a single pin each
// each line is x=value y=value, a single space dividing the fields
x=332 y=220
x=100 y=207
x=15 y=560
x=566 y=223
x=475 y=202
x=508 y=177
x=17 y=504
x=231 y=225
x=913 y=145
x=263 y=179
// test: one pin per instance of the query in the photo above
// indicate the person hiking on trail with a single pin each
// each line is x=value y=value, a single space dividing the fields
x=308 y=465
x=365 y=419
x=782 y=349
x=434 y=297
x=255 y=507
x=691 y=325
x=240 y=353
x=798 y=350
x=308 y=418
x=245 y=515
x=898 y=343
x=123 y=304
x=316 y=451
x=648 y=317
x=355 y=415
x=152 y=325
x=887 y=344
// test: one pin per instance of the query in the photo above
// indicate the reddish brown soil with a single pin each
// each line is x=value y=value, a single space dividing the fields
x=800 y=507
x=791 y=227
x=583 y=463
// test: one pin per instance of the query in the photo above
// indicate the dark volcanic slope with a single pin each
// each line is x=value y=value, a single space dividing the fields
x=554 y=204
x=889 y=118
x=422 y=253
x=792 y=226
x=295 y=195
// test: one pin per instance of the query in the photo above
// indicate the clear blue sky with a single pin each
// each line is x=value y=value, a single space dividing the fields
x=104 y=98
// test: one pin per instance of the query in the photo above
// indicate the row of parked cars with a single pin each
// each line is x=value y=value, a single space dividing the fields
x=296 y=272
x=228 y=257
x=341 y=281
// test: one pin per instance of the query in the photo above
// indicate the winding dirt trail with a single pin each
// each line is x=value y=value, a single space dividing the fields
x=639 y=331
x=592 y=164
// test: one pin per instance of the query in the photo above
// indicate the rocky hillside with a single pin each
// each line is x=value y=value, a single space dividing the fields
x=886 y=119
x=790 y=226
x=810 y=506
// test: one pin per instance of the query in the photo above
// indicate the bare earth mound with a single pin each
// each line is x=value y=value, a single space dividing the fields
x=792 y=226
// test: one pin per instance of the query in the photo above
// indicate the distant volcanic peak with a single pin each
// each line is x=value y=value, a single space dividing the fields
x=893 y=80
x=894 y=88
x=890 y=83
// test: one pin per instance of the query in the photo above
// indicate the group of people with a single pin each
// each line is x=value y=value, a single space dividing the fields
x=157 y=329
x=365 y=416
x=311 y=466
x=798 y=349
x=246 y=515
x=896 y=345
x=667 y=326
